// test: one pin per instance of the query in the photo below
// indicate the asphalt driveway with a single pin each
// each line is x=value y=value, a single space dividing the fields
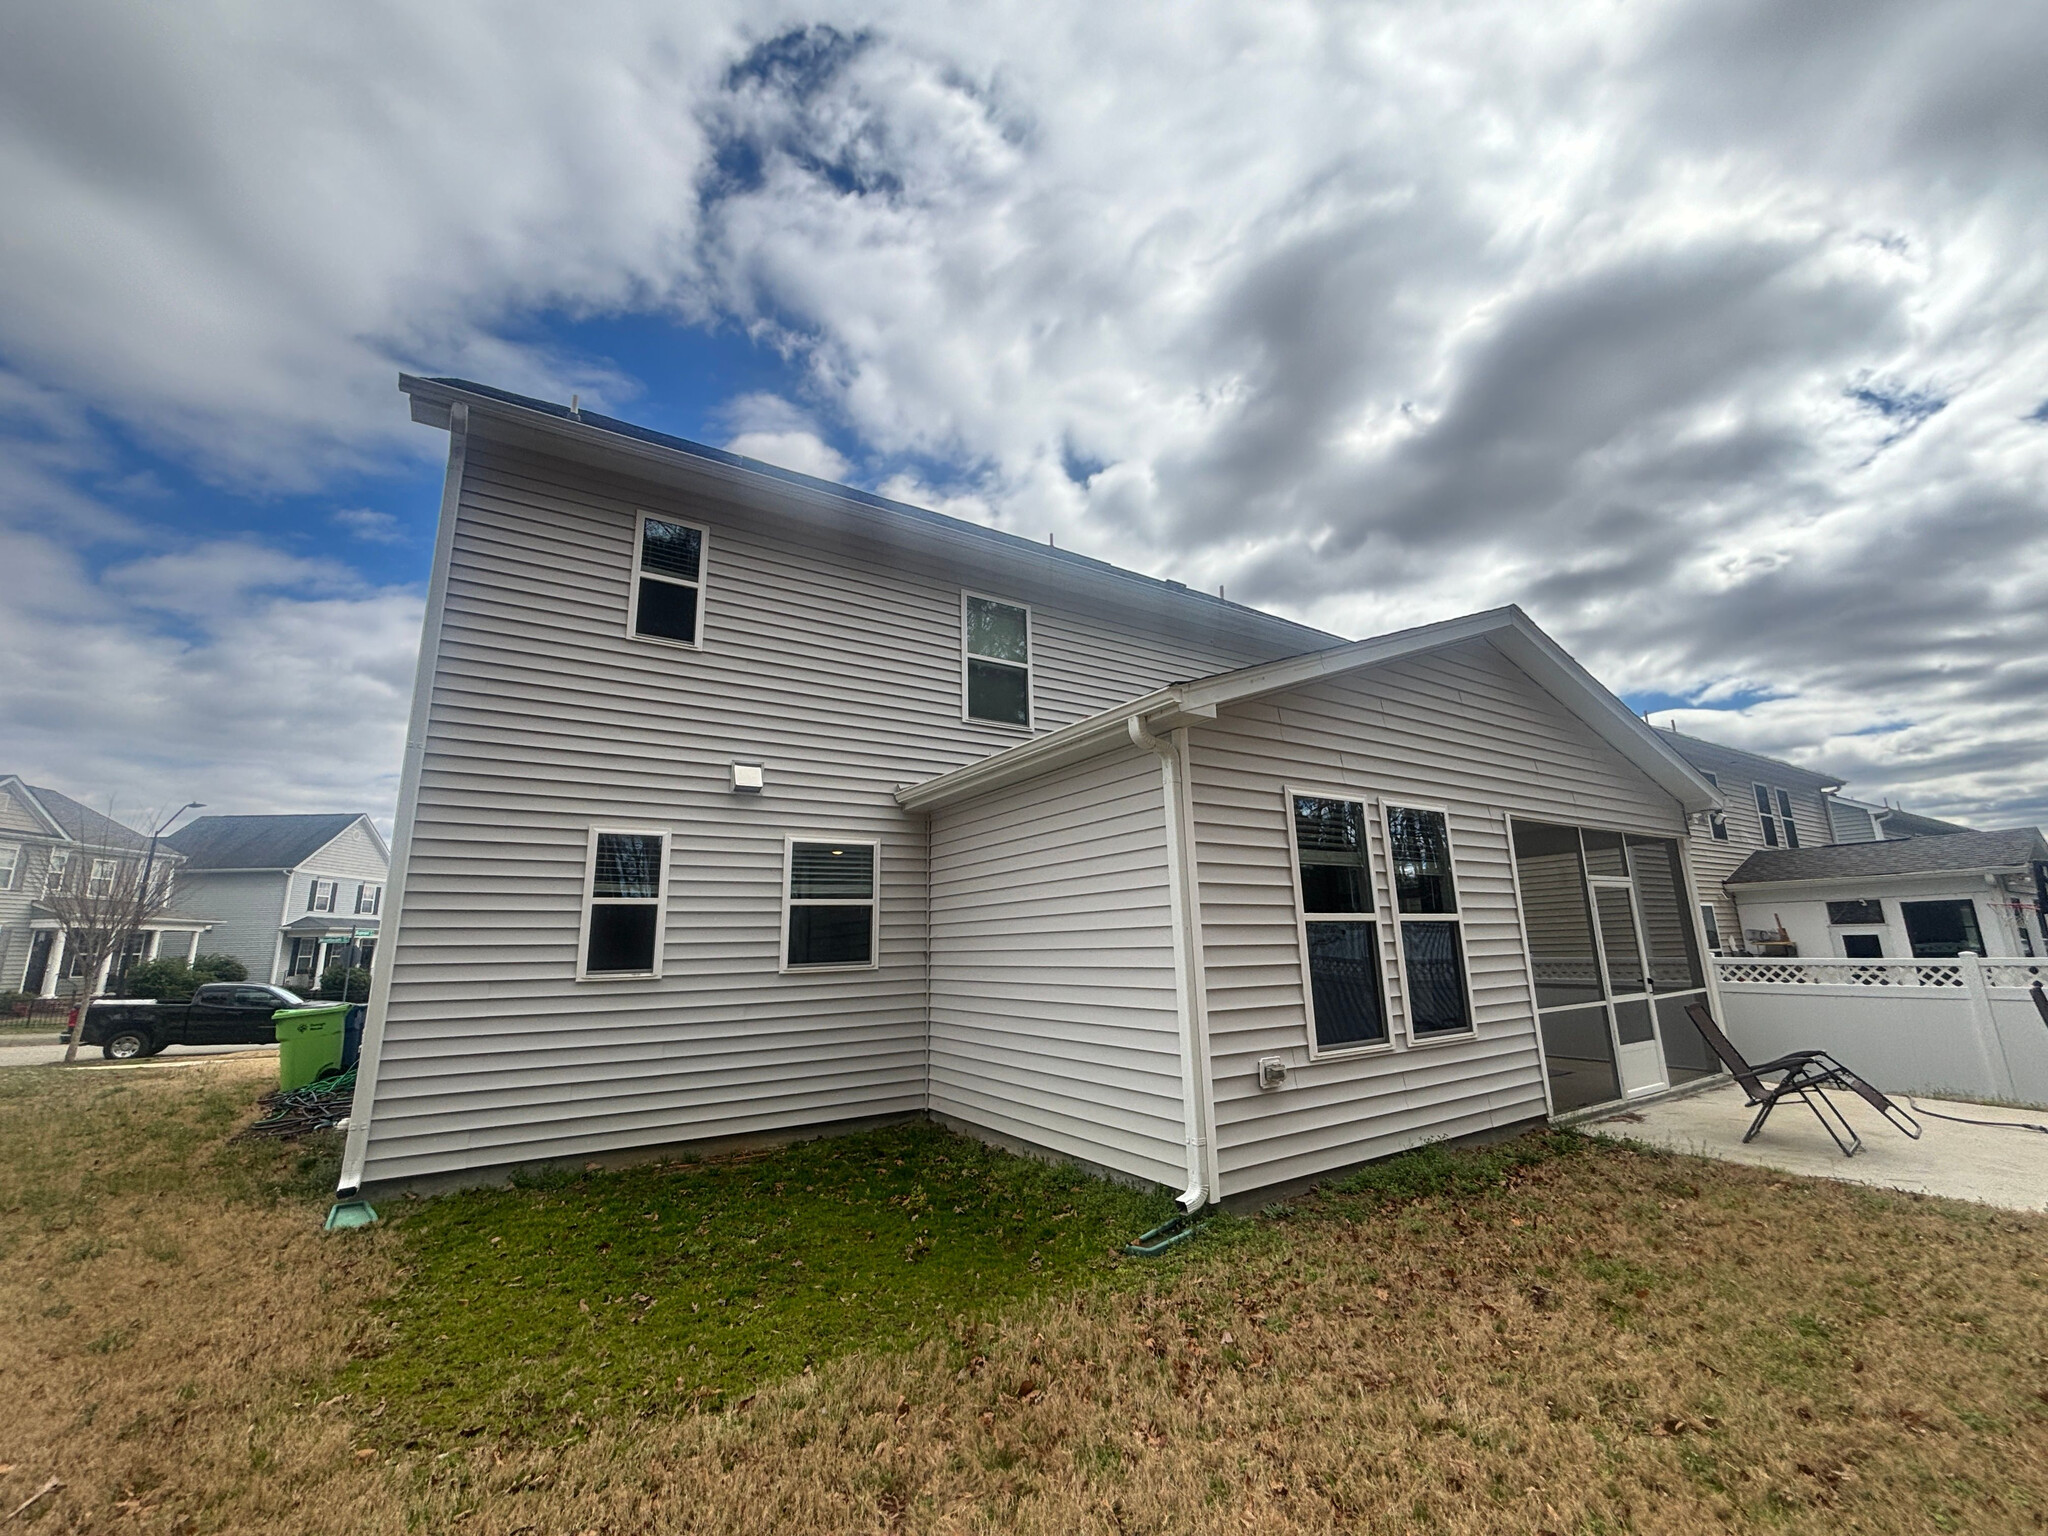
x=41 y=1050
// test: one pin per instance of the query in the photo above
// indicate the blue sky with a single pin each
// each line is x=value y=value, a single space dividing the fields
x=1708 y=332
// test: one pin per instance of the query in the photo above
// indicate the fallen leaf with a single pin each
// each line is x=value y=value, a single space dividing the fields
x=367 y=1453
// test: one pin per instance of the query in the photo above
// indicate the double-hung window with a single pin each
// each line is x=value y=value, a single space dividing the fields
x=625 y=882
x=60 y=866
x=10 y=861
x=1717 y=821
x=320 y=898
x=368 y=898
x=99 y=881
x=1339 y=933
x=668 y=582
x=995 y=661
x=1432 y=930
x=828 y=919
x=1774 y=814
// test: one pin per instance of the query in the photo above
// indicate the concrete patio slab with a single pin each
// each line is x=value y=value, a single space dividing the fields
x=1998 y=1165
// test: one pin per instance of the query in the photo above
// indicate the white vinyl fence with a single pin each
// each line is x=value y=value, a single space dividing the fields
x=1965 y=1026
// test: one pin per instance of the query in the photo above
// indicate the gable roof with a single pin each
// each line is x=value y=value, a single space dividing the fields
x=1509 y=629
x=1712 y=756
x=259 y=842
x=432 y=398
x=1898 y=823
x=1959 y=852
x=81 y=823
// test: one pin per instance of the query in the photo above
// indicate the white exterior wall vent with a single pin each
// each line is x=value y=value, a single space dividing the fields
x=748 y=778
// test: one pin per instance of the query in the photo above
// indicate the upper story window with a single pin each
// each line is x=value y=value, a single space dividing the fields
x=100 y=881
x=10 y=861
x=1339 y=932
x=668 y=582
x=996 y=661
x=60 y=866
x=368 y=899
x=1717 y=822
x=1774 y=815
x=320 y=896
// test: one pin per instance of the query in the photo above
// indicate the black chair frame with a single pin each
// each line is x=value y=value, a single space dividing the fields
x=1802 y=1075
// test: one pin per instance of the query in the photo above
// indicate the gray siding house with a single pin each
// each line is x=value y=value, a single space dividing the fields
x=48 y=839
x=738 y=804
x=290 y=895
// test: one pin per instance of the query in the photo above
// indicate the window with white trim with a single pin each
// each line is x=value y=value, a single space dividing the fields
x=59 y=867
x=1774 y=815
x=320 y=895
x=10 y=861
x=995 y=678
x=1339 y=933
x=1717 y=821
x=1710 y=924
x=1430 y=926
x=829 y=904
x=667 y=604
x=625 y=883
x=368 y=898
x=99 y=880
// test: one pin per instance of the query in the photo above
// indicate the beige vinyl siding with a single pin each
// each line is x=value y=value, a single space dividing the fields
x=1713 y=861
x=1463 y=728
x=1053 y=1016
x=831 y=654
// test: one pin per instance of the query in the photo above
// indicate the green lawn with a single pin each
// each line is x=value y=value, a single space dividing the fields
x=684 y=1284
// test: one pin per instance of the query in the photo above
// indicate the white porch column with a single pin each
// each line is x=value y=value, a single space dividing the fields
x=192 y=948
x=54 y=971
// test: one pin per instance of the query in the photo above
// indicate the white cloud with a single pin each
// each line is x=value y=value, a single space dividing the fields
x=369 y=525
x=1375 y=314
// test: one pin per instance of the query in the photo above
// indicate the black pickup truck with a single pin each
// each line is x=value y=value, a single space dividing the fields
x=220 y=1013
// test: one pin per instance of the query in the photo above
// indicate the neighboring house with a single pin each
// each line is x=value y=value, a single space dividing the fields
x=46 y=839
x=739 y=804
x=1926 y=897
x=1858 y=821
x=1766 y=804
x=291 y=895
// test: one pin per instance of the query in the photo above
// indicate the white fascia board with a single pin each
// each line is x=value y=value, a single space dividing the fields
x=1812 y=883
x=1509 y=629
x=56 y=827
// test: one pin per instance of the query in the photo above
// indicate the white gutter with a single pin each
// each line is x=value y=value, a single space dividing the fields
x=1197 y=1109
x=355 y=1151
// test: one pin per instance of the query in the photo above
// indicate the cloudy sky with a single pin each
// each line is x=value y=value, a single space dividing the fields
x=1715 y=334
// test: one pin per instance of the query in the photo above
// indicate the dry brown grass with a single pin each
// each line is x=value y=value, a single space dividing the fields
x=1618 y=1341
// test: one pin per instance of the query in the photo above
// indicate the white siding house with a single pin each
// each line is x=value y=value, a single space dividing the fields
x=738 y=804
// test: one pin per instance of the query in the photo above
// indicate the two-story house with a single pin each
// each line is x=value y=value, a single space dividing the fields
x=48 y=839
x=738 y=804
x=291 y=895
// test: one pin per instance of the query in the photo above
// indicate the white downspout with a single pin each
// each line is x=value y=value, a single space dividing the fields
x=1187 y=979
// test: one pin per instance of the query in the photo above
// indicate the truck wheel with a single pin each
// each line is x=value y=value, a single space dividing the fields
x=126 y=1044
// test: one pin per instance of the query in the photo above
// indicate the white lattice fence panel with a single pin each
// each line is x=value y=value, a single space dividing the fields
x=2023 y=973
x=1841 y=973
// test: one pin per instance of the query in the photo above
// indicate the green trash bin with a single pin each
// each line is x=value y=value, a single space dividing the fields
x=308 y=1042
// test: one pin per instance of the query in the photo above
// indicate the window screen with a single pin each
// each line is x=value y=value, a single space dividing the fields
x=668 y=581
x=998 y=641
x=1432 y=935
x=1862 y=946
x=831 y=904
x=623 y=929
x=1855 y=913
x=1785 y=822
x=1347 y=1006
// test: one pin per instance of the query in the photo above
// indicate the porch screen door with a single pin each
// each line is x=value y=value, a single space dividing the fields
x=1628 y=988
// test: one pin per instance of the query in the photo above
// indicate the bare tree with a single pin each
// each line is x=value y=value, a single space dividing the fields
x=107 y=895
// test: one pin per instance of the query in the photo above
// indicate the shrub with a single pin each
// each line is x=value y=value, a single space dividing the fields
x=358 y=984
x=219 y=968
x=170 y=981
x=15 y=1004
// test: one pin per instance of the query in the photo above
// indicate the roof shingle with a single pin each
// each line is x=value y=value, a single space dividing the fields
x=257 y=842
x=1934 y=854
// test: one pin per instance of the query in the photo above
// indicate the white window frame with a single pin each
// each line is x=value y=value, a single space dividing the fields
x=331 y=889
x=590 y=899
x=12 y=853
x=1710 y=931
x=1447 y=1037
x=874 y=959
x=1717 y=821
x=100 y=878
x=371 y=894
x=702 y=584
x=57 y=870
x=1302 y=917
x=1030 y=663
x=1779 y=815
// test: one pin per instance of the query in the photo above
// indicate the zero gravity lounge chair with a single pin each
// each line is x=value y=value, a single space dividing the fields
x=1803 y=1075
